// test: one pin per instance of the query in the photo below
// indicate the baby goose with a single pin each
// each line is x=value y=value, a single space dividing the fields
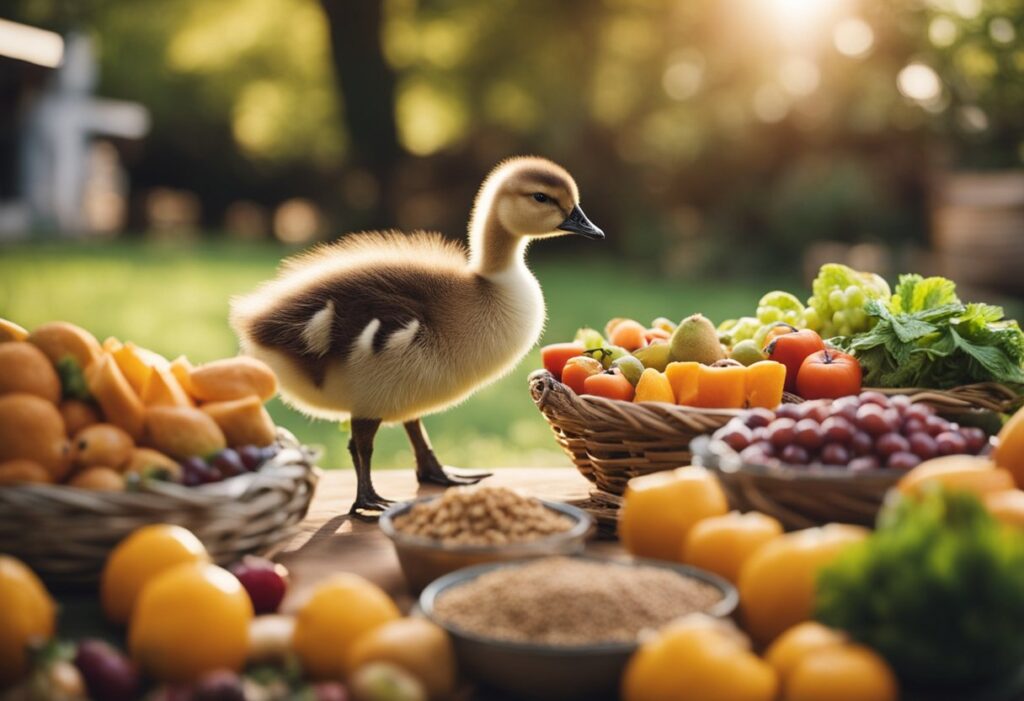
x=389 y=327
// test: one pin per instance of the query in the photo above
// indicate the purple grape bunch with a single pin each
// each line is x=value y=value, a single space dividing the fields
x=227 y=463
x=863 y=432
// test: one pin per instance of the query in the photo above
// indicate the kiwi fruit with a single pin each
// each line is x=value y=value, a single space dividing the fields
x=696 y=340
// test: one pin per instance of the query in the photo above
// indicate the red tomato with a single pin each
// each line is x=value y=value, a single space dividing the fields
x=577 y=370
x=791 y=349
x=828 y=374
x=557 y=355
x=611 y=384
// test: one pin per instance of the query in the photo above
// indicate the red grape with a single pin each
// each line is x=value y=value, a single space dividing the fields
x=759 y=417
x=900 y=402
x=975 y=438
x=837 y=429
x=913 y=425
x=876 y=398
x=808 y=433
x=936 y=425
x=789 y=411
x=819 y=411
x=862 y=443
x=251 y=456
x=923 y=445
x=919 y=411
x=950 y=442
x=835 y=454
x=756 y=455
x=903 y=460
x=781 y=432
x=890 y=443
x=736 y=435
x=229 y=463
x=872 y=418
x=794 y=455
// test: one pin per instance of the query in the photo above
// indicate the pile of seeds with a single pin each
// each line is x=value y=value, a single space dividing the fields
x=482 y=516
x=565 y=601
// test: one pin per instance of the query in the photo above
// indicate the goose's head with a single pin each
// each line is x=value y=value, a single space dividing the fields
x=533 y=198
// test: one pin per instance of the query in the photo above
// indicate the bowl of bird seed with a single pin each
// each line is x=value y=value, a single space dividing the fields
x=564 y=627
x=475 y=525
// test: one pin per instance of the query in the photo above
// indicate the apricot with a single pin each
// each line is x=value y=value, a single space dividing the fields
x=59 y=340
x=148 y=462
x=9 y=331
x=243 y=421
x=233 y=378
x=163 y=389
x=102 y=479
x=32 y=428
x=25 y=368
x=629 y=334
x=77 y=415
x=721 y=544
x=183 y=432
x=121 y=406
x=21 y=471
x=101 y=444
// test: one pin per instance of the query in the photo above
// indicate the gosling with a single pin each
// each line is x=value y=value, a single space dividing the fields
x=386 y=327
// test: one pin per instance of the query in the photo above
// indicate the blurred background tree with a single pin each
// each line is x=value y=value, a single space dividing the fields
x=721 y=131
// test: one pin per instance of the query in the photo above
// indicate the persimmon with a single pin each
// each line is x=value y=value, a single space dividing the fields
x=612 y=385
x=629 y=334
x=577 y=370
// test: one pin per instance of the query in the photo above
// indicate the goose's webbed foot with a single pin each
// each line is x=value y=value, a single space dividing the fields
x=369 y=507
x=431 y=472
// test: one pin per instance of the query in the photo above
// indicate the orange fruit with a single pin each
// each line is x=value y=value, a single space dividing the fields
x=960 y=472
x=1009 y=451
x=21 y=471
x=24 y=368
x=59 y=340
x=721 y=544
x=659 y=510
x=32 y=428
x=183 y=431
x=28 y=614
x=101 y=444
x=232 y=378
x=138 y=559
x=98 y=478
x=842 y=673
x=189 y=620
x=777 y=583
x=416 y=645
x=341 y=609
x=163 y=389
x=148 y=462
x=77 y=415
x=243 y=421
x=9 y=331
x=1007 y=506
x=790 y=648
x=181 y=368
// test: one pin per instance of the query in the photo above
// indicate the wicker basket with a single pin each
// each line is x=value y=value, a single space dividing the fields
x=612 y=441
x=799 y=497
x=64 y=534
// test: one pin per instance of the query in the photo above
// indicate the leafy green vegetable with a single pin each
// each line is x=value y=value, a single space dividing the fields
x=926 y=337
x=72 y=380
x=938 y=590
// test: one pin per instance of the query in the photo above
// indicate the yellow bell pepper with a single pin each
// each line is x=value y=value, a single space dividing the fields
x=698 y=658
x=721 y=544
x=658 y=510
x=722 y=387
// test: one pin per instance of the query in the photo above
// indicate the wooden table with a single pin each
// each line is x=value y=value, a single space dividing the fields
x=329 y=540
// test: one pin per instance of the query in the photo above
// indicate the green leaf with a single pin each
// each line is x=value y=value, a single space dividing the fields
x=72 y=379
x=915 y=293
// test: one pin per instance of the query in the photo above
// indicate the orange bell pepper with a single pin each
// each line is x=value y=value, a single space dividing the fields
x=765 y=382
x=721 y=388
x=683 y=378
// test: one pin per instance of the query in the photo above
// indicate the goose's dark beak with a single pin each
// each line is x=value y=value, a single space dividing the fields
x=578 y=223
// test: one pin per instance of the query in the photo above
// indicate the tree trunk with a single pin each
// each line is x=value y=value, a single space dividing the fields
x=367 y=86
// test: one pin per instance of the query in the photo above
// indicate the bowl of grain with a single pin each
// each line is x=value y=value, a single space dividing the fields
x=564 y=627
x=475 y=525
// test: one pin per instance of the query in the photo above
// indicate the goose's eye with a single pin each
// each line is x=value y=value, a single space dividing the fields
x=540 y=197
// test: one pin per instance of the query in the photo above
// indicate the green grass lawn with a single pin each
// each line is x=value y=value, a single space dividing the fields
x=174 y=300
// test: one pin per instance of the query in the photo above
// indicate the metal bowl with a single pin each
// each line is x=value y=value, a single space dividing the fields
x=552 y=672
x=424 y=559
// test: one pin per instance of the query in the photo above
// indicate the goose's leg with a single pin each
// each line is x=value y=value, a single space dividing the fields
x=428 y=467
x=368 y=503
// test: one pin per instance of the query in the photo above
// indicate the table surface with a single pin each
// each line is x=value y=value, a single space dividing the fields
x=329 y=540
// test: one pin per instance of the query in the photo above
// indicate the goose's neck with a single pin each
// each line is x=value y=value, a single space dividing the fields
x=492 y=248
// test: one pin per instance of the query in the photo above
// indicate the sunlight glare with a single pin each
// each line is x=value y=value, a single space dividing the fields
x=799 y=76
x=942 y=32
x=919 y=82
x=853 y=37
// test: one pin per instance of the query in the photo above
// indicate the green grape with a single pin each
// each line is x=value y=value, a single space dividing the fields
x=590 y=338
x=858 y=318
x=839 y=319
x=811 y=319
x=744 y=328
x=844 y=330
x=783 y=301
x=631 y=368
x=854 y=296
x=792 y=318
x=836 y=299
x=607 y=354
x=769 y=315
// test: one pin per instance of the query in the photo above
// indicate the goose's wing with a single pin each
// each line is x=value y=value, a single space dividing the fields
x=361 y=311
